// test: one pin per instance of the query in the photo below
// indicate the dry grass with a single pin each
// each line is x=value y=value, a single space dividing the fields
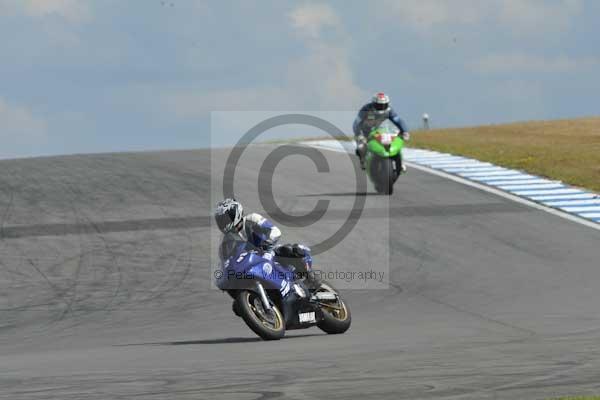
x=566 y=150
x=580 y=398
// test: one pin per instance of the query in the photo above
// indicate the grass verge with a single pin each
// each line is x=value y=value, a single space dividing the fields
x=566 y=150
x=580 y=398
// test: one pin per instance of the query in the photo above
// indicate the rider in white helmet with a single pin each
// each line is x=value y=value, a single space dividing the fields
x=369 y=117
x=259 y=234
x=252 y=228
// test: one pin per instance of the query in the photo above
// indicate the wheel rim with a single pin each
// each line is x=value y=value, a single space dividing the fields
x=269 y=319
x=340 y=312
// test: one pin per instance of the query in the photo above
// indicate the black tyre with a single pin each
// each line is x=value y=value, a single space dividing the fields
x=336 y=315
x=387 y=176
x=383 y=175
x=269 y=325
x=375 y=173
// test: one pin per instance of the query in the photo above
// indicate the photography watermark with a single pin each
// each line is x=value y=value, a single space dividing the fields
x=314 y=196
x=329 y=275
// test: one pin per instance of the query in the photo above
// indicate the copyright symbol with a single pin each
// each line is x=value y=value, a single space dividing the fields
x=218 y=274
x=265 y=178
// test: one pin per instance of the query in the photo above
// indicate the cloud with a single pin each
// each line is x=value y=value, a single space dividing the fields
x=17 y=123
x=74 y=11
x=521 y=62
x=518 y=16
x=324 y=79
x=423 y=15
x=321 y=79
x=52 y=23
x=191 y=104
x=311 y=19
x=535 y=15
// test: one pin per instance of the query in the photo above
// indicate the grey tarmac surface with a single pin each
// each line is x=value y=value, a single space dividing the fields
x=105 y=271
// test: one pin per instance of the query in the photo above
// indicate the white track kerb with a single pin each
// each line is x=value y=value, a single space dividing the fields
x=551 y=196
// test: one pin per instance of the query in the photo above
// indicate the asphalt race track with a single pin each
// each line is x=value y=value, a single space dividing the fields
x=105 y=293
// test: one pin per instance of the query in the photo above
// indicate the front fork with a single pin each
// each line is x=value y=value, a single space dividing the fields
x=288 y=303
x=263 y=296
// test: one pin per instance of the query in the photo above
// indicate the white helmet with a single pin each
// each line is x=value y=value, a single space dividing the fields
x=228 y=214
x=381 y=102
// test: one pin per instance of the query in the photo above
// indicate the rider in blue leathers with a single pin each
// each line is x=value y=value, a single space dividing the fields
x=259 y=234
x=369 y=117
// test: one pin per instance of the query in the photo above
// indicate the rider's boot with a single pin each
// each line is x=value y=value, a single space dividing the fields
x=360 y=152
x=400 y=165
x=312 y=281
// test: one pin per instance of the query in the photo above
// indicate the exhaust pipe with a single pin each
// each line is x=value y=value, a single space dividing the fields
x=263 y=296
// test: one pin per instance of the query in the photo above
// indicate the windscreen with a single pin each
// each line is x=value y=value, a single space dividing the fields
x=388 y=126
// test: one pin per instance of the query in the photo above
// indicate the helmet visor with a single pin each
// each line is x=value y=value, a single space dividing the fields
x=381 y=106
x=225 y=220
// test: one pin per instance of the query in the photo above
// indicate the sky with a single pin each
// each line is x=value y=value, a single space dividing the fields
x=81 y=76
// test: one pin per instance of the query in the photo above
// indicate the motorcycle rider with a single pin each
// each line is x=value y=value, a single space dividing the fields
x=369 y=117
x=259 y=233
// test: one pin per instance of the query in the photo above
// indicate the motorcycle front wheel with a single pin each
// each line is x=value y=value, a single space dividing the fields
x=268 y=324
x=382 y=170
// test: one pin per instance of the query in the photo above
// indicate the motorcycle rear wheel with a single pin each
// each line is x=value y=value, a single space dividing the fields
x=336 y=317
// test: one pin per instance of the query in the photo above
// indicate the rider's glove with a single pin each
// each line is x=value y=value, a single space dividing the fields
x=267 y=245
x=405 y=135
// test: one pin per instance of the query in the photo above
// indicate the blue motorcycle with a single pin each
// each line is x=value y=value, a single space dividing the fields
x=272 y=293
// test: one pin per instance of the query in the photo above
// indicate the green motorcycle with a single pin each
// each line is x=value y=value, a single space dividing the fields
x=384 y=156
